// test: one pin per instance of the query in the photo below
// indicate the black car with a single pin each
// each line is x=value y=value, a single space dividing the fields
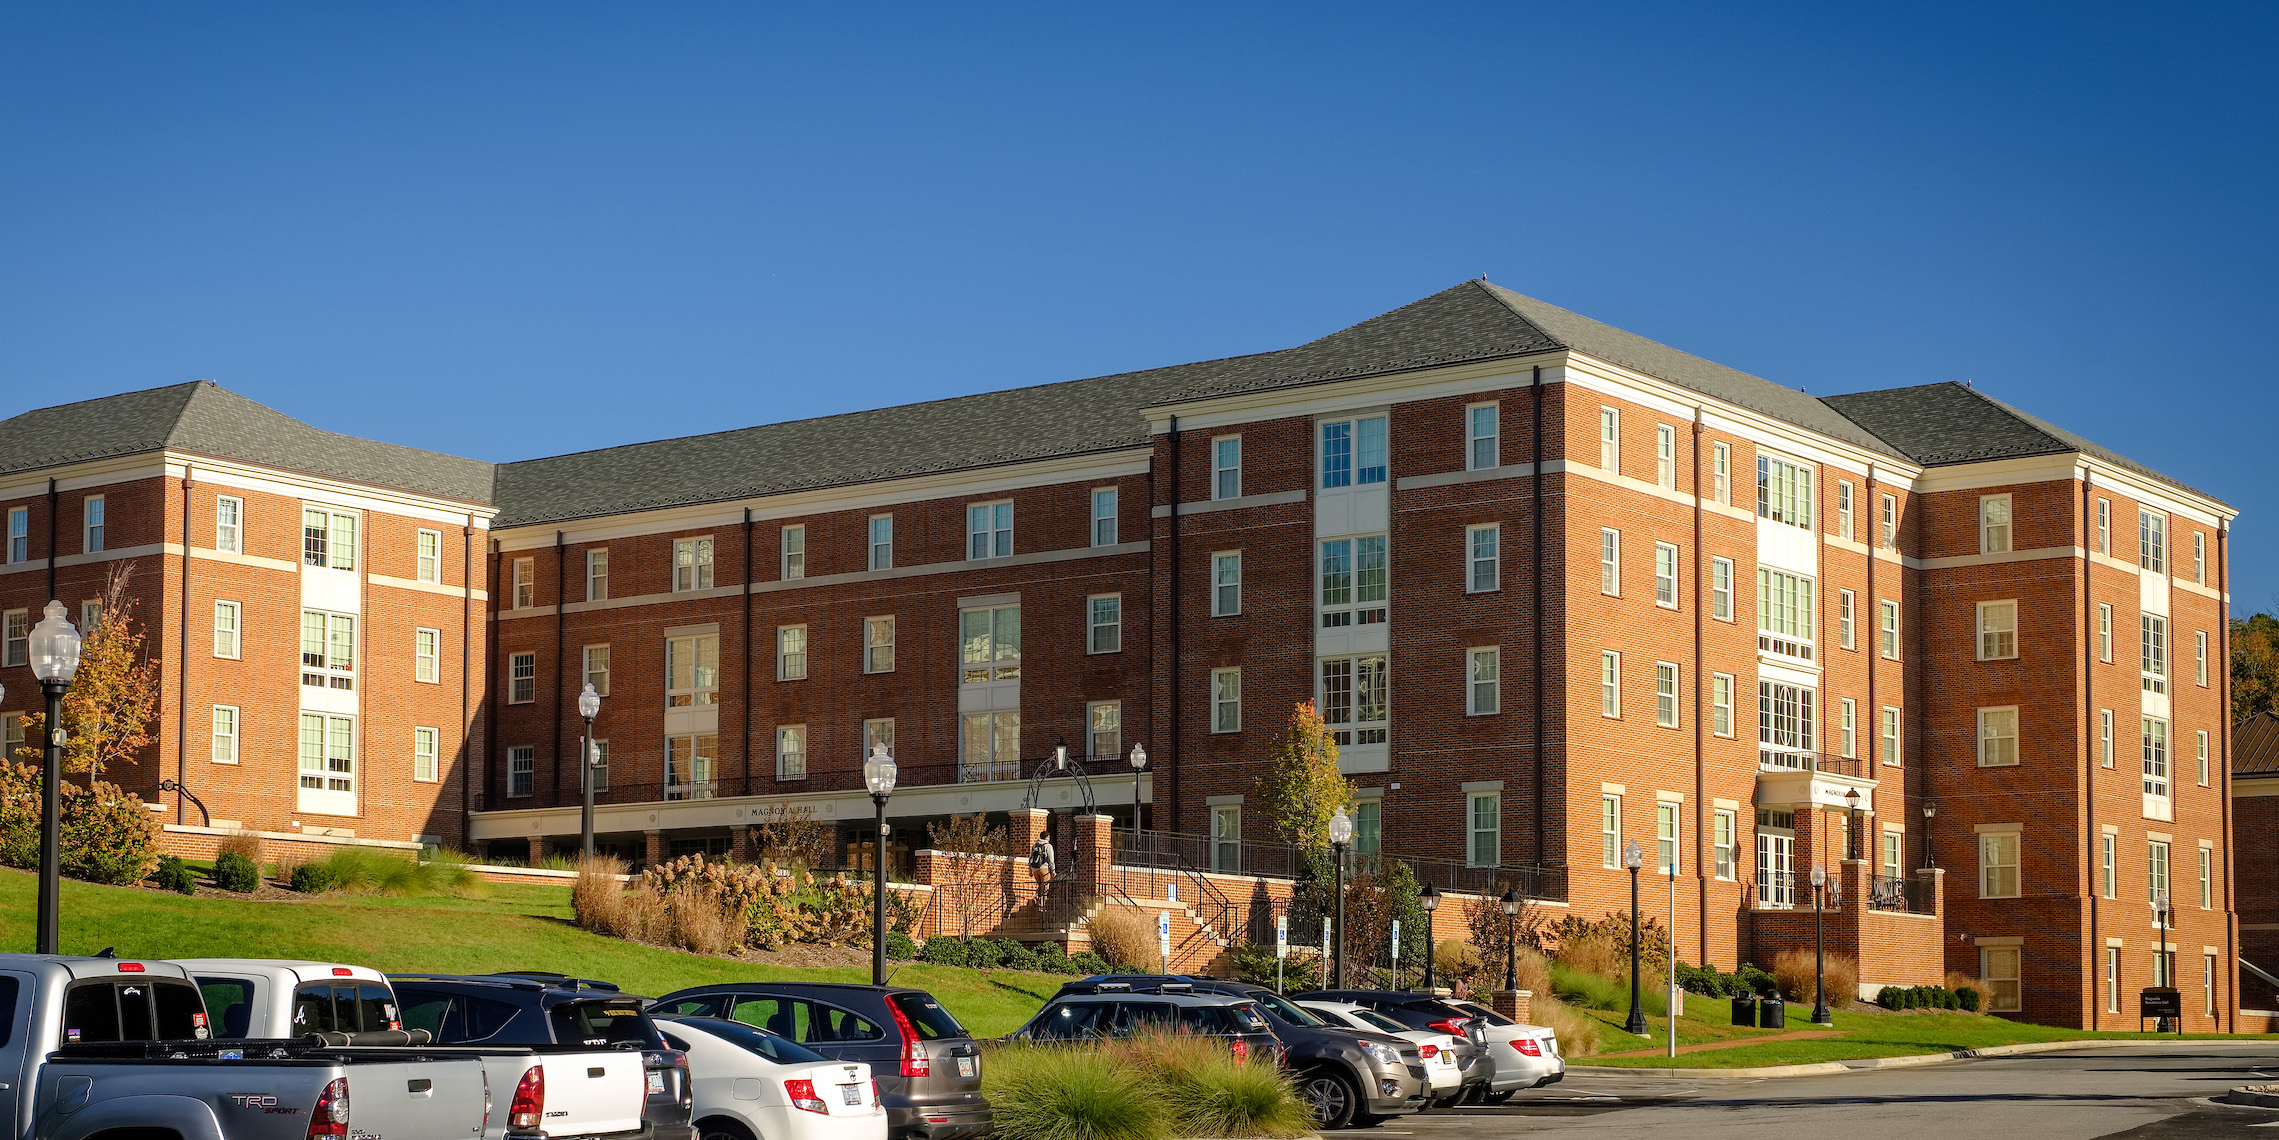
x=1109 y=1014
x=928 y=1067
x=1348 y=1077
x=552 y=1009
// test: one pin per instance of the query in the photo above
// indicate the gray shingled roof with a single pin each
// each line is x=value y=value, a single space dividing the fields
x=1948 y=423
x=204 y=418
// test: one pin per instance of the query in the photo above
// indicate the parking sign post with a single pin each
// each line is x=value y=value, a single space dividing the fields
x=1281 y=947
x=1163 y=936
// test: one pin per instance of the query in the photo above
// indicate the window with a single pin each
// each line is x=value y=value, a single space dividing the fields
x=11 y=736
x=1845 y=604
x=423 y=759
x=2152 y=632
x=689 y=765
x=1784 y=613
x=1721 y=589
x=1368 y=829
x=2200 y=657
x=1998 y=865
x=328 y=754
x=1890 y=852
x=1722 y=847
x=595 y=669
x=692 y=670
x=328 y=538
x=1353 y=581
x=1484 y=694
x=1890 y=522
x=1353 y=698
x=880 y=542
x=1226 y=584
x=2104 y=526
x=794 y=552
x=1105 y=721
x=1843 y=508
x=1486 y=827
x=1226 y=837
x=229 y=525
x=989 y=645
x=1665 y=694
x=2105 y=736
x=2112 y=979
x=328 y=650
x=521 y=678
x=1480 y=432
x=1665 y=575
x=692 y=564
x=426 y=655
x=2203 y=749
x=2163 y=967
x=1721 y=474
x=1994 y=524
x=2107 y=874
x=1104 y=517
x=90 y=615
x=597 y=769
x=2208 y=984
x=2207 y=878
x=1226 y=700
x=2155 y=757
x=428 y=562
x=597 y=575
x=1609 y=435
x=791 y=653
x=1610 y=830
x=1890 y=735
x=226 y=616
x=1784 y=490
x=1786 y=725
x=1666 y=838
x=92 y=536
x=2156 y=870
x=520 y=769
x=1353 y=452
x=988 y=531
x=1721 y=703
x=878 y=732
x=1848 y=726
x=15 y=637
x=2105 y=632
x=1998 y=738
x=225 y=735
x=878 y=645
x=1610 y=561
x=2200 y=557
x=1226 y=467
x=1665 y=455
x=989 y=747
x=1610 y=683
x=1483 y=546
x=1106 y=620
x=791 y=752
x=2152 y=541
x=1890 y=628
x=19 y=534
x=1997 y=630
x=1998 y=966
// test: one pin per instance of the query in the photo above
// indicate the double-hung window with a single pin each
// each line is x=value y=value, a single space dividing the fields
x=2105 y=737
x=1787 y=725
x=229 y=524
x=521 y=678
x=2108 y=875
x=2105 y=632
x=423 y=755
x=2202 y=736
x=1484 y=823
x=878 y=732
x=1226 y=583
x=1890 y=734
x=989 y=645
x=427 y=655
x=878 y=645
x=1721 y=589
x=1353 y=580
x=690 y=764
x=791 y=653
x=2200 y=656
x=2156 y=870
x=1997 y=631
x=1784 y=613
x=1665 y=694
x=1105 y=619
x=525 y=583
x=1721 y=704
x=1666 y=838
x=1848 y=727
x=1354 y=695
x=1722 y=848
x=791 y=752
x=1665 y=456
x=328 y=538
x=2153 y=632
x=1888 y=631
x=1784 y=490
x=794 y=552
x=2207 y=878
x=1104 y=516
x=595 y=668
x=1480 y=437
x=988 y=531
x=2155 y=757
x=428 y=563
x=1609 y=440
x=692 y=670
x=2200 y=557
x=328 y=763
x=1666 y=575
x=15 y=637
x=1226 y=700
x=1104 y=735
x=19 y=534
x=1843 y=508
x=1610 y=830
x=1721 y=474
x=1847 y=619
x=597 y=575
x=1998 y=865
x=1891 y=522
x=225 y=734
x=692 y=564
x=328 y=650
x=1226 y=467
x=880 y=543
x=2104 y=526
x=1890 y=853
x=521 y=765
x=226 y=628
x=1484 y=690
x=1998 y=737
x=1610 y=561
x=2152 y=541
x=92 y=535
x=1609 y=683
x=1483 y=550
x=1994 y=524
x=1353 y=452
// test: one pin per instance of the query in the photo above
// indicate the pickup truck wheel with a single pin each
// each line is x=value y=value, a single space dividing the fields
x=722 y=1128
x=1331 y=1097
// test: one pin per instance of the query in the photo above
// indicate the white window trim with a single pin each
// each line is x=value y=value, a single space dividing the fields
x=1610 y=562
x=1115 y=505
x=236 y=734
x=1725 y=858
x=1980 y=616
x=236 y=632
x=1473 y=438
x=1610 y=690
x=420 y=570
x=1610 y=829
x=1671 y=706
x=586 y=671
x=1666 y=553
x=783 y=656
x=1844 y=506
x=1891 y=729
x=892 y=646
x=1887 y=629
x=511 y=658
x=990 y=530
x=1472 y=559
x=2105 y=632
x=433 y=662
x=1727 y=706
x=1848 y=727
x=1987 y=867
x=433 y=758
x=522 y=583
x=1609 y=439
x=2015 y=734
x=1217 y=559
x=1219 y=469
x=1091 y=627
x=784 y=552
x=1472 y=834
x=236 y=545
x=878 y=555
x=2105 y=737
x=597 y=559
x=1721 y=610
x=1472 y=680
x=2200 y=656
x=16 y=516
x=1721 y=474
x=1847 y=619
x=1218 y=723
x=89 y=508
x=1986 y=536
x=1665 y=456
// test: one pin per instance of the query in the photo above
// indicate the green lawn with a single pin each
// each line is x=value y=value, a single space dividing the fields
x=515 y=927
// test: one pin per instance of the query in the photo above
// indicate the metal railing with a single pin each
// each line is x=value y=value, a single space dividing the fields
x=1771 y=758
x=1781 y=890
x=1907 y=894
x=1286 y=861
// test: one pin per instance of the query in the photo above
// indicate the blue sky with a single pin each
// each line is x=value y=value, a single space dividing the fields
x=512 y=230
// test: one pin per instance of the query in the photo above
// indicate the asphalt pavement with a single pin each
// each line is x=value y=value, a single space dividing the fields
x=2150 y=1091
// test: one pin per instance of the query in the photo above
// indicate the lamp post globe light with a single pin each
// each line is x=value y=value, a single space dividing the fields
x=878 y=776
x=1510 y=904
x=1429 y=899
x=1138 y=758
x=589 y=704
x=2162 y=912
x=1930 y=857
x=1634 y=857
x=1340 y=836
x=55 y=660
x=1820 y=1014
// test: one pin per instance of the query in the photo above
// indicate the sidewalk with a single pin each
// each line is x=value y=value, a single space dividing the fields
x=1704 y=1046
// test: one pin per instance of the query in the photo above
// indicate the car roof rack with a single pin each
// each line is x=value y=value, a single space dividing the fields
x=561 y=979
x=1176 y=988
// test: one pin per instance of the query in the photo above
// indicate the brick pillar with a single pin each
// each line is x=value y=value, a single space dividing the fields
x=1513 y=1004
x=655 y=856
x=1846 y=934
x=1094 y=842
x=537 y=849
x=740 y=846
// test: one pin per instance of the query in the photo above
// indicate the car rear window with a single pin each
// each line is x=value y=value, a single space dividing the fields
x=602 y=1023
x=1371 y=1019
x=230 y=1002
x=1210 y=1019
x=1485 y=1014
x=927 y=1016
x=758 y=1042
x=142 y=1009
x=1070 y=1020
x=455 y=1018
x=1284 y=1009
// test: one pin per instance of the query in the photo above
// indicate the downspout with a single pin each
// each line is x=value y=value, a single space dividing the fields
x=561 y=586
x=745 y=749
x=1874 y=726
x=490 y=658
x=1154 y=629
x=466 y=682
x=1162 y=824
x=1700 y=746
x=2230 y=1008
x=1535 y=607
x=2093 y=733
x=52 y=507
x=182 y=664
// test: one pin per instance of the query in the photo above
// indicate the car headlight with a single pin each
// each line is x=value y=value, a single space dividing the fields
x=1383 y=1055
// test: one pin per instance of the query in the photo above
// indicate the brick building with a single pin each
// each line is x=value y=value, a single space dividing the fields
x=2255 y=853
x=1536 y=571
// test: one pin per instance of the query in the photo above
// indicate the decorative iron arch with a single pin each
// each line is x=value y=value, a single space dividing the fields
x=1058 y=764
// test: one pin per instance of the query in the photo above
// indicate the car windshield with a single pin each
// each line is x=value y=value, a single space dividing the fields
x=1283 y=1009
x=1371 y=1019
x=750 y=1039
x=1484 y=1013
x=927 y=1016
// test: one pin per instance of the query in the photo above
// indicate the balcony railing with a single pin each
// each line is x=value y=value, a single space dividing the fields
x=1770 y=757
x=1165 y=850
x=1781 y=890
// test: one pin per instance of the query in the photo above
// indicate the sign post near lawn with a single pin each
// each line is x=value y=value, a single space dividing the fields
x=1281 y=947
x=1163 y=937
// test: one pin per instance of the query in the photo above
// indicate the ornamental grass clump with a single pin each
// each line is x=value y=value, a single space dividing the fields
x=1071 y=1093
x=1578 y=1033
x=1122 y=936
x=1794 y=968
x=1208 y=1091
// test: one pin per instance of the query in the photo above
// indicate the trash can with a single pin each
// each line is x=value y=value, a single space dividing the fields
x=1772 y=1013
x=1745 y=1010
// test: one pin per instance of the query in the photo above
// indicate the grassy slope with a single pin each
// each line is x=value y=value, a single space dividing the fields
x=514 y=927
x=1865 y=1033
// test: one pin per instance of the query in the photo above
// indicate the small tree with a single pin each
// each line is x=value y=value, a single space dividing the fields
x=972 y=853
x=793 y=836
x=108 y=709
x=1302 y=787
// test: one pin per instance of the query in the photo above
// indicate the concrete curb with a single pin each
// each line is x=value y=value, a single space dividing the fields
x=1831 y=1068
x=2254 y=1096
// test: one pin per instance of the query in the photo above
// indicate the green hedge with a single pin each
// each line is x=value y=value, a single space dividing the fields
x=1145 y=1088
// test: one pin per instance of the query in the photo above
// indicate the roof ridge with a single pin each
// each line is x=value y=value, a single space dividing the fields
x=1496 y=293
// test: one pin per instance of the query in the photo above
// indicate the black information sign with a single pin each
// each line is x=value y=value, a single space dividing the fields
x=2160 y=1001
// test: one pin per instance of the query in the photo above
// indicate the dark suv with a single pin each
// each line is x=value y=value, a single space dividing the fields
x=1348 y=1077
x=552 y=1009
x=1079 y=1017
x=928 y=1067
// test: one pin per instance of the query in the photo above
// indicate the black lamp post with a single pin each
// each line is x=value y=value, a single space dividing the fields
x=55 y=660
x=1340 y=836
x=1634 y=857
x=589 y=703
x=1139 y=764
x=1930 y=857
x=1429 y=899
x=1511 y=903
x=1852 y=825
x=2163 y=910
x=878 y=776
x=1820 y=1014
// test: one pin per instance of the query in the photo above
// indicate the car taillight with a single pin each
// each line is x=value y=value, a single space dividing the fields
x=342 y=972
x=915 y=1062
x=1240 y=1048
x=802 y=1094
x=876 y=1098
x=130 y=967
x=1527 y=1046
x=1428 y=1052
x=680 y=1073
x=1452 y=1026
x=528 y=1108
x=330 y=1116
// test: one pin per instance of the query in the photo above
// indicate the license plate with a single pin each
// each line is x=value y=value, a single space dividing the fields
x=851 y=1094
x=656 y=1082
x=967 y=1066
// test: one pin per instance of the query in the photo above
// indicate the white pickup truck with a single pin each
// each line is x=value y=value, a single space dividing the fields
x=559 y=1092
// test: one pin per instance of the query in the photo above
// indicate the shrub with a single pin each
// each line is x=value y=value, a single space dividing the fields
x=108 y=835
x=1014 y=956
x=1708 y=981
x=1793 y=968
x=1603 y=946
x=1456 y=960
x=1207 y=1092
x=314 y=878
x=1534 y=974
x=1052 y=957
x=370 y=871
x=597 y=897
x=1121 y=934
x=1070 y=1094
x=244 y=843
x=900 y=947
x=1968 y=999
x=943 y=950
x=174 y=875
x=1087 y=963
x=1754 y=979
x=19 y=814
x=1578 y=1033
x=982 y=954
x=702 y=925
x=233 y=871
x=1256 y=965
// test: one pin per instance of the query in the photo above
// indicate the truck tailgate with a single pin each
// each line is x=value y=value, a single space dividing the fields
x=442 y=1097
x=592 y=1093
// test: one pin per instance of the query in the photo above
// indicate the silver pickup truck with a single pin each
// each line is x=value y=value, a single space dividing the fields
x=92 y=1048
